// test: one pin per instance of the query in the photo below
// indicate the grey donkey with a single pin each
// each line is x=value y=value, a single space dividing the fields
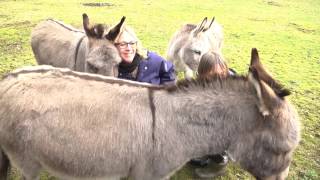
x=86 y=126
x=60 y=45
x=191 y=41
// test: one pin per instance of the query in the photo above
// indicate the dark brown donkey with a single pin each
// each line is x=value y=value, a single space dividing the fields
x=60 y=45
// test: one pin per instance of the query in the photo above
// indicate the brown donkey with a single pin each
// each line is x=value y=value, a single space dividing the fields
x=86 y=126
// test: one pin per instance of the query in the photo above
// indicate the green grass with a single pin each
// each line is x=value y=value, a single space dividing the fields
x=286 y=33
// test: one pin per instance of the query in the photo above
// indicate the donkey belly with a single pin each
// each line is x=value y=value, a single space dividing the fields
x=88 y=171
x=85 y=155
x=79 y=168
x=64 y=150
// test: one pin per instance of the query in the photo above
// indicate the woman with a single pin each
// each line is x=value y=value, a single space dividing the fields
x=212 y=65
x=141 y=65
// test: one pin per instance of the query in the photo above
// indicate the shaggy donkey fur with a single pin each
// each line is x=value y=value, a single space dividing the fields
x=60 y=45
x=85 y=126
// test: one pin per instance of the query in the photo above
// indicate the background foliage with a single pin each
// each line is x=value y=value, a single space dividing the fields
x=286 y=33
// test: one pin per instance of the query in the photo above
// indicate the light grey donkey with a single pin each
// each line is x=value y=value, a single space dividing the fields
x=191 y=41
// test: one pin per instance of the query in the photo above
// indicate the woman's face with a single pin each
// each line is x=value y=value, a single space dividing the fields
x=127 y=47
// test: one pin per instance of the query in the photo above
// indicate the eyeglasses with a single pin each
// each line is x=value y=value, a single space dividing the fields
x=123 y=45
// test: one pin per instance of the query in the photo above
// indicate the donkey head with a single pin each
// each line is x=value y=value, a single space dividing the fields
x=102 y=57
x=196 y=45
x=191 y=42
x=276 y=131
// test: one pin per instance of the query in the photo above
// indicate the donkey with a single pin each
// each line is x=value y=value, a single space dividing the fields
x=191 y=41
x=60 y=45
x=64 y=122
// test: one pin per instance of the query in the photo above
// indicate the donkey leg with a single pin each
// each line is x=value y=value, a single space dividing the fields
x=28 y=168
x=4 y=166
x=142 y=171
x=30 y=174
x=30 y=177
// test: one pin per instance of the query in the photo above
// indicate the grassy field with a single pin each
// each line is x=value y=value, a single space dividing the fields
x=286 y=33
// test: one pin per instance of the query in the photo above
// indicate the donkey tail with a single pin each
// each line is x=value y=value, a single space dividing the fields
x=4 y=166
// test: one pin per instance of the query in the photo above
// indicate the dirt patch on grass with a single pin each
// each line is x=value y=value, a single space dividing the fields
x=3 y=16
x=235 y=35
x=273 y=3
x=256 y=19
x=300 y=28
x=98 y=4
x=10 y=47
x=17 y=24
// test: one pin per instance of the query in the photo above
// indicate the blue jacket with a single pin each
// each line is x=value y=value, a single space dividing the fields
x=155 y=70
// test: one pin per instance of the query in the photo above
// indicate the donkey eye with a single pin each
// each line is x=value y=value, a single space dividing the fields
x=197 y=52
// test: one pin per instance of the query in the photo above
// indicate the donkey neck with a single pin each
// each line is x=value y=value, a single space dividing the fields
x=205 y=120
x=81 y=51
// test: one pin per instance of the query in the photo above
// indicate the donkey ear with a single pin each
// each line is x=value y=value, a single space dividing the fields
x=254 y=57
x=266 y=76
x=86 y=25
x=92 y=32
x=209 y=26
x=113 y=33
x=200 y=27
x=255 y=81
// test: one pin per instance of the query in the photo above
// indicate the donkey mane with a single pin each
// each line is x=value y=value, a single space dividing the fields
x=233 y=82
x=230 y=82
x=226 y=82
x=86 y=76
x=70 y=28
x=188 y=27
